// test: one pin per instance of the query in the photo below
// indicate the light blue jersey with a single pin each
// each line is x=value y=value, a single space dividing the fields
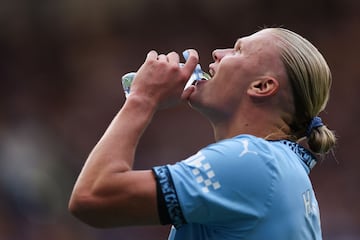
x=241 y=188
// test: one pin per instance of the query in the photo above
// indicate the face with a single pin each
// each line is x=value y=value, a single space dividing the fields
x=233 y=70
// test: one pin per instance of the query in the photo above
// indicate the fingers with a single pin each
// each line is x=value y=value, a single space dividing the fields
x=191 y=56
x=162 y=58
x=173 y=57
x=191 y=60
x=152 y=55
x=165 y=70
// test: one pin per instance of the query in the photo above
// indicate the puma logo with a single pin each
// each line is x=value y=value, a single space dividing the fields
x=246 y=148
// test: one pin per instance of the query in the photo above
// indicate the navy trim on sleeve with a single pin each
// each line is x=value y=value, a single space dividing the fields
x=162 y=210
x=167 y=198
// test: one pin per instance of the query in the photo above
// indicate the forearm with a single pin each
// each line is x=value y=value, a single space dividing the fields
x=123 y=134
x=115 y=151
x=107 y=192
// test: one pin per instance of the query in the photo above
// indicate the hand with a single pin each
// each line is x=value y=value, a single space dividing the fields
x=161 y=80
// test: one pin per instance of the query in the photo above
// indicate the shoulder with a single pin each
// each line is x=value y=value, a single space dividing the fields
x=234 y=162
x=241 y=168
x=240 y=147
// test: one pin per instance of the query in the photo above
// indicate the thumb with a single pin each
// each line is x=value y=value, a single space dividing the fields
x=192 y=59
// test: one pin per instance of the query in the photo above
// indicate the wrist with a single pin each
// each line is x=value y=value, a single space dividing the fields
x=141 y=104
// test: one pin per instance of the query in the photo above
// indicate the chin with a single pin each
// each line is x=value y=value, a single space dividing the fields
x=198 y=98
x=195 y=101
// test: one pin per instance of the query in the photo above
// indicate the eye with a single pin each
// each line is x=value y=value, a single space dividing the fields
x=237 y=47
x=237 y=50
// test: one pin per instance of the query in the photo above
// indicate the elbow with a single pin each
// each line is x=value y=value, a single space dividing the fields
x=84 y=208
x=77 y=205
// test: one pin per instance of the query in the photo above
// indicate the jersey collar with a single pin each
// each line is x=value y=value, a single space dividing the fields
x=305 y=155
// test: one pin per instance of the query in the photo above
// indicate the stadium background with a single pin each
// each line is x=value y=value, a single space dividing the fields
x=60 y=69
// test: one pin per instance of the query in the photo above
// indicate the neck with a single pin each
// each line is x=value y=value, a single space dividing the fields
x=261 y=124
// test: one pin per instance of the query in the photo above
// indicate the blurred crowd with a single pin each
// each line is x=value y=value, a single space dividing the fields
x=60 y=69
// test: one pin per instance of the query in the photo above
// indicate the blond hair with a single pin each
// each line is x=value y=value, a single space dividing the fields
x=311 y=79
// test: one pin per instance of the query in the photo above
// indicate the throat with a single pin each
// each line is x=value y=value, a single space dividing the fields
x=270 y=132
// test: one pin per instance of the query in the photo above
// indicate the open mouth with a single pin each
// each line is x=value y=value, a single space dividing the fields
x=205 y=76
x=202 y=77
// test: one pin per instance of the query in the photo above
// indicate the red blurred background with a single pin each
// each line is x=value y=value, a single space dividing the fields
x=60 y=69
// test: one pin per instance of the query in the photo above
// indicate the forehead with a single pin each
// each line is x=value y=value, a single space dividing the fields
x=261 y=39
x=261 y=48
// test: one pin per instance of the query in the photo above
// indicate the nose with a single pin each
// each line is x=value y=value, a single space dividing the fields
x=218 y=54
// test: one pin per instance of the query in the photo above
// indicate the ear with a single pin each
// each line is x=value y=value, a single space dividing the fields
x=263 y=87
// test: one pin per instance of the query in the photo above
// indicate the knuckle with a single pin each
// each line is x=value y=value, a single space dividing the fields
x=173 y=53
x=151 y=61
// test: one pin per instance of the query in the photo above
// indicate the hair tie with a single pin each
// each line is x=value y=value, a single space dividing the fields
x=314 y=123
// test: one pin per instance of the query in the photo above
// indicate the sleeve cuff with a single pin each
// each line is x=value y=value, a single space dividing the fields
x=168 y=203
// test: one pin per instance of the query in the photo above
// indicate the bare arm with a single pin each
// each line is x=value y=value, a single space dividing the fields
x=108 y=192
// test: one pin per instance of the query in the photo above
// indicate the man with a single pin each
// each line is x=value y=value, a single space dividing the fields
x=252 y=183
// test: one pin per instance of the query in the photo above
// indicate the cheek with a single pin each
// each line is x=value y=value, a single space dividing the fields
x=228 y=94
x=231 y=67
x=233 y=78
x=233 y=84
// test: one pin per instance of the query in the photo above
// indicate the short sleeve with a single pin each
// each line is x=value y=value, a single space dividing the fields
x=229 y=181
